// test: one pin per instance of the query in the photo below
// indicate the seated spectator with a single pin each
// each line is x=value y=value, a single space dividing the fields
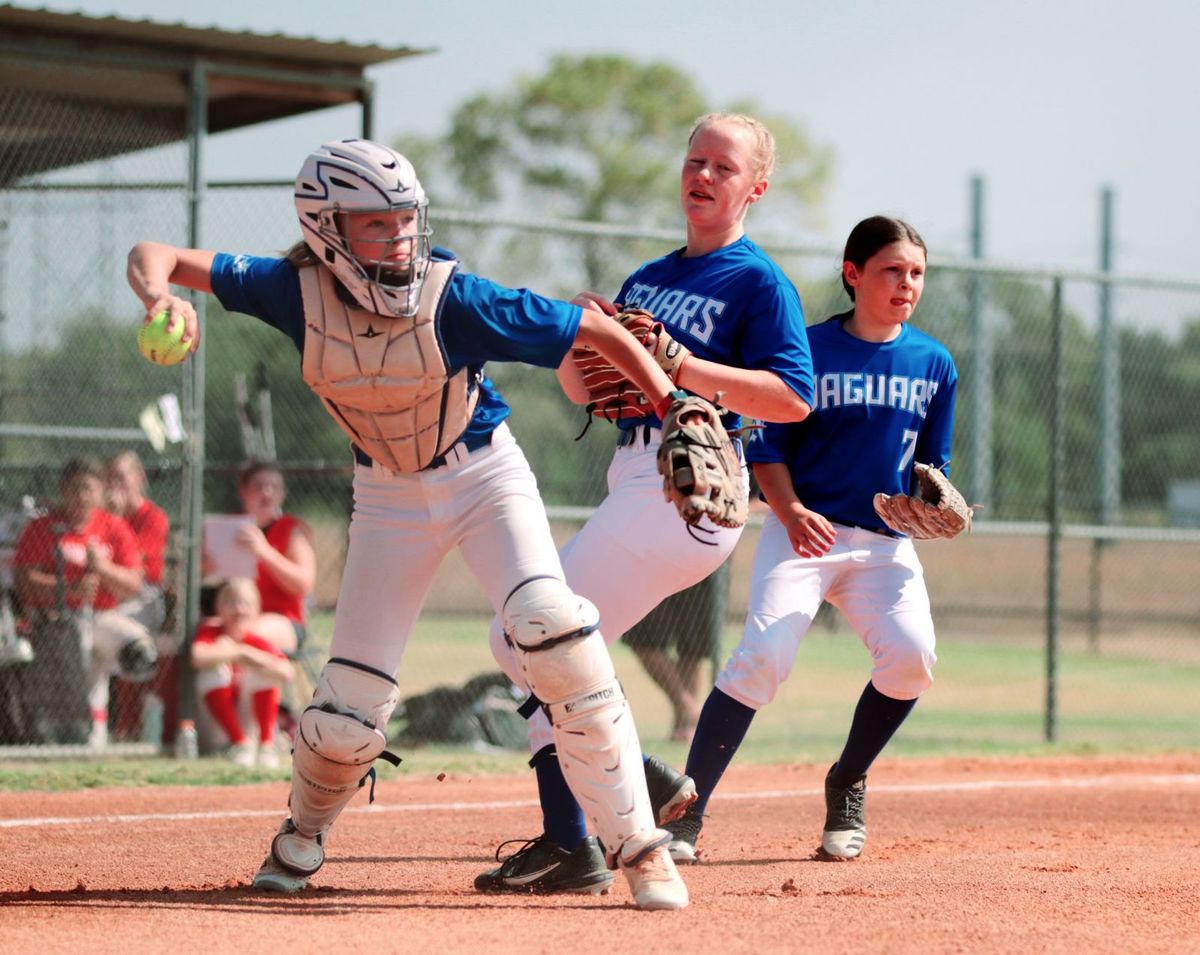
x=75 y=566
x=282 y=546
x=232 y=659
x=125 y=480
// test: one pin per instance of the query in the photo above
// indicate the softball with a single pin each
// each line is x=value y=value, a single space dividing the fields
x=161 y=346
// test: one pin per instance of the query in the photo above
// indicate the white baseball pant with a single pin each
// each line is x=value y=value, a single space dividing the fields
x=876 y=581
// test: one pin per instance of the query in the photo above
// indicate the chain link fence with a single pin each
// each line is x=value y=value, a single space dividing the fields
x=1077 y=430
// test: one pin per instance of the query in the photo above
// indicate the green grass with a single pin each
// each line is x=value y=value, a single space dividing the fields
x=988 y=699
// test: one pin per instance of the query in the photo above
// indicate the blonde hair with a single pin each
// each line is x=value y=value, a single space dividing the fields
x=238 y=587
x=301 y=255
x=764 y=142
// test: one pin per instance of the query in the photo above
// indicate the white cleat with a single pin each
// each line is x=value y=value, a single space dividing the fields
x=243 y=754
x=268 y=756
x=293 y=858
x=653 y=878
x=844 y=844
x=272 y=877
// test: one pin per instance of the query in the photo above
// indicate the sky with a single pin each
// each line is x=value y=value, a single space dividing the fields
x=1049 y=101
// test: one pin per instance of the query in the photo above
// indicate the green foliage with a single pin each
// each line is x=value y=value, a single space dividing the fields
x=596 y=138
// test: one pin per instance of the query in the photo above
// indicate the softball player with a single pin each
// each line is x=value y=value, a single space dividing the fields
x=393 y=337
x=740 y=321
x=884 y=400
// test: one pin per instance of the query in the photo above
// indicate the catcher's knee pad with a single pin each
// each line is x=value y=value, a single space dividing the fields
x=343 y=731
x=566 y=663
x=555 y=637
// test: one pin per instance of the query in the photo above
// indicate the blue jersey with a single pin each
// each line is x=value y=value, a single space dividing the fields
x=879 y=407
x=480 y=321
x=733 y=306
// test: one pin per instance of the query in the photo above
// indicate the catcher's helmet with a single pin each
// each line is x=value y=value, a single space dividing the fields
x=359 y=176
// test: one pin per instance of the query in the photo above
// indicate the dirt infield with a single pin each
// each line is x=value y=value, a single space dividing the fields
x=989 y=855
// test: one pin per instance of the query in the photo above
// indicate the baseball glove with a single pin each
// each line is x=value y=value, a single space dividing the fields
x=610 y=394
x=664 y=349
x=701 y=472
x=936 y=510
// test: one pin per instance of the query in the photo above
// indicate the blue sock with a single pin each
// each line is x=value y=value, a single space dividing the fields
x=720 y=731
x=876 y=718
x=562 y=818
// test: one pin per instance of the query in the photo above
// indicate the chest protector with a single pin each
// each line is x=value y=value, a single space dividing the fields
x=384 y=380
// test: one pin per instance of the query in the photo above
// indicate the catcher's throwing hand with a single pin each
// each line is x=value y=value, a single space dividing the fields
x=701 y=471
x=935 y=511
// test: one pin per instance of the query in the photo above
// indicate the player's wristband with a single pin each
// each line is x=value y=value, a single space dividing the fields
x=664 y=406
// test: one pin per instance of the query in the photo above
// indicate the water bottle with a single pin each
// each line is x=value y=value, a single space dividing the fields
x=187 y=743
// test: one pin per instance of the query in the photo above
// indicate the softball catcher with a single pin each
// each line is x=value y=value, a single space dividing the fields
x=393 y=338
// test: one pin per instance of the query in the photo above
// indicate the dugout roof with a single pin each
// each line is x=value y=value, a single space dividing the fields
x=63 y=63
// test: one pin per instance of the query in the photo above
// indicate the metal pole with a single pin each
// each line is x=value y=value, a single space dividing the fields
x=1110 y=382
x=193 y=398
x=1054 y=511
x=1110 y=413
x=982 y=382
x=366 y=97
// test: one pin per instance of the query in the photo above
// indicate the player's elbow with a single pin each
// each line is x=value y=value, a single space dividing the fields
x=787 y=408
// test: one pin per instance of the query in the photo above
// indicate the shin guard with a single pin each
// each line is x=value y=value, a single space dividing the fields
x=567 y=665
x=343 y=731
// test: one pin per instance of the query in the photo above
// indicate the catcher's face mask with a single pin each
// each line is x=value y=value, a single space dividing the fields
x=391 y=246
x=363 y=213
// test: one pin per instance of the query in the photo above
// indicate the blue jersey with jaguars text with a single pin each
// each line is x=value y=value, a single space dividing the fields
x=733 y=306
x=878 y=407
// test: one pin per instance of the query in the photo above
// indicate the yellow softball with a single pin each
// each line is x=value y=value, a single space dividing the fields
x=161 y=345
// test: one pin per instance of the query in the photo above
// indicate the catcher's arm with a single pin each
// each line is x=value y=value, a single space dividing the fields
x=755 y=393
x=601 y=334
x=810 y=533
x=570 y=378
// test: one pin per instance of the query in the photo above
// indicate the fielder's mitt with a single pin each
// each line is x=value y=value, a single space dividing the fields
x=701 y=472
x=610 y=394
x=936 y=510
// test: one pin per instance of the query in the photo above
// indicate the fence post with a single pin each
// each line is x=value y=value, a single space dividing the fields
x=982 y=366
x=193 y=402
x=1054 y=509
x=1110 y=417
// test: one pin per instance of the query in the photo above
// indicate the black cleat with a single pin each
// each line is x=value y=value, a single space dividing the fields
x=541 y=867
x=671 y=792
x=845 y=818
x=684 y=833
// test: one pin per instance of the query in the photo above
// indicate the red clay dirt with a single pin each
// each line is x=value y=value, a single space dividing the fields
x=983 y=855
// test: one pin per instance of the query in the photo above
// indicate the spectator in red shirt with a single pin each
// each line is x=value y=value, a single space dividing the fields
x=282 y=545
x=101 y=566
x=231 y=659
x=125 y=480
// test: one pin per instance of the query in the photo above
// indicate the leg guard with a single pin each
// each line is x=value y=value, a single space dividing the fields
x=565 y=661
x=341 y=734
